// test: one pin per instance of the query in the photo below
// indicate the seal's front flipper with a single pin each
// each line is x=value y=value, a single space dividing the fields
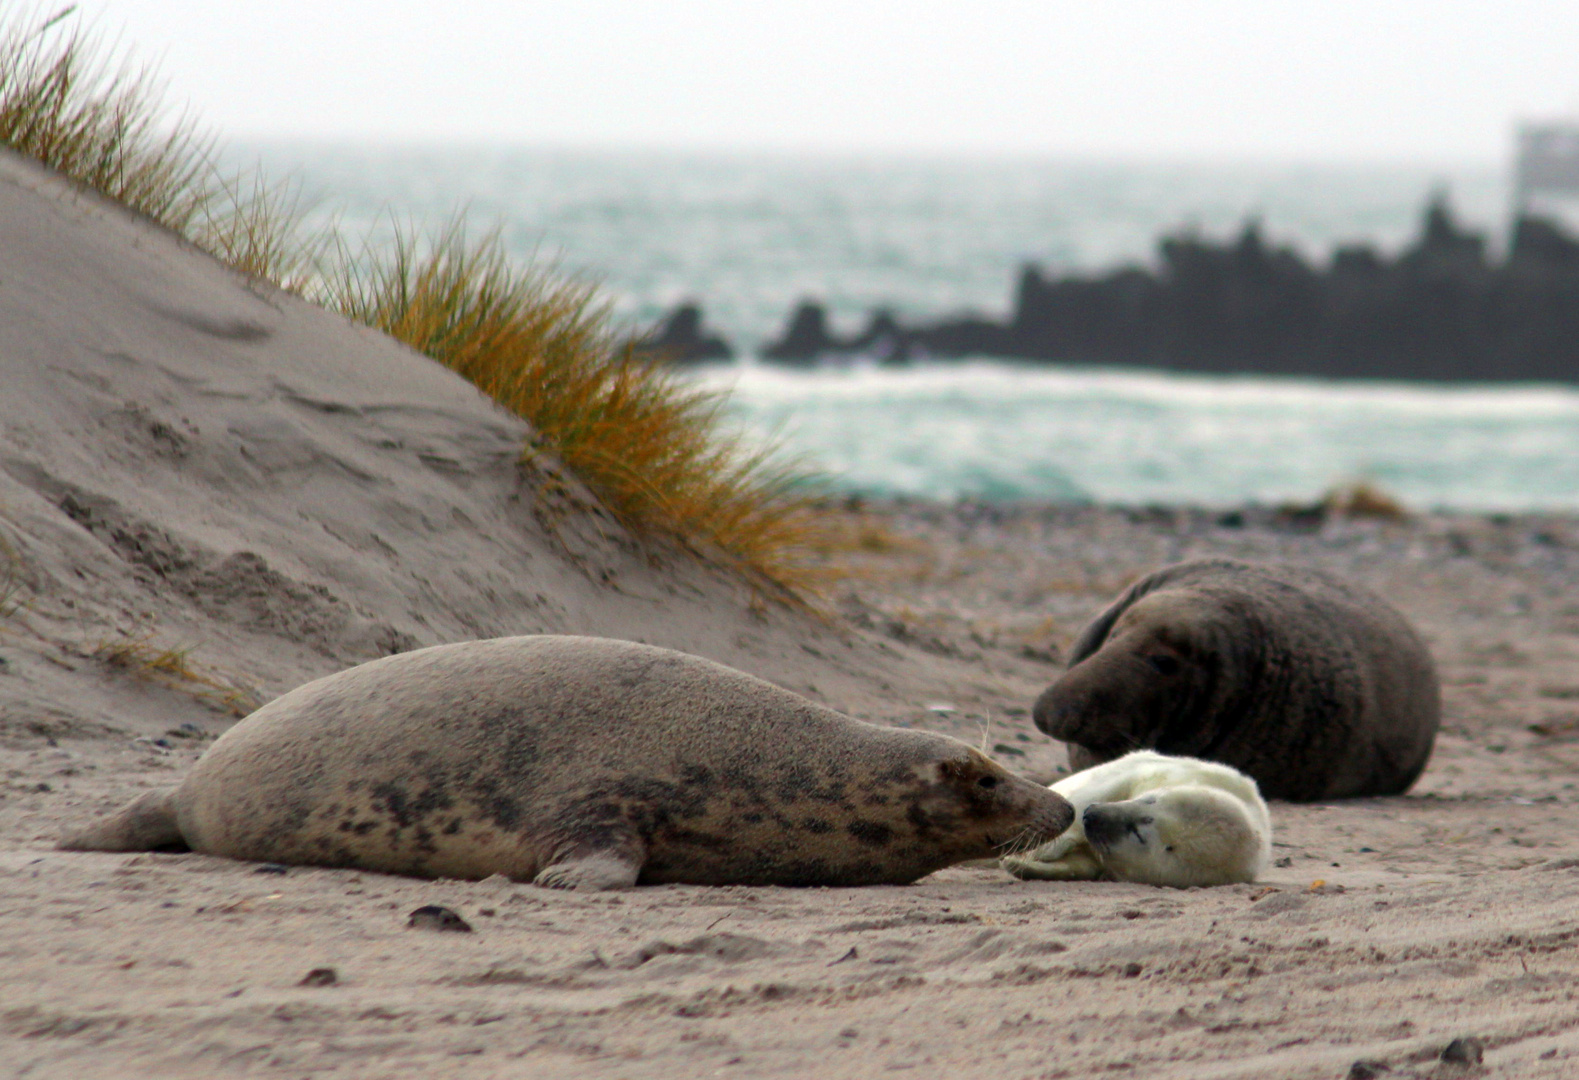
x=610 y=866
x=145 y=824
x=1065 y=859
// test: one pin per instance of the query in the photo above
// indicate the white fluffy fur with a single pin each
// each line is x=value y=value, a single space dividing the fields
x=1158 y=820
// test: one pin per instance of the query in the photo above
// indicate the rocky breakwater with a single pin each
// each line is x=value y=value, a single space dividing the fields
x=1439 y=310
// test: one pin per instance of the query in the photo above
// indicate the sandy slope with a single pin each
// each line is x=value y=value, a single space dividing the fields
x=184 y=451
x=185 y=455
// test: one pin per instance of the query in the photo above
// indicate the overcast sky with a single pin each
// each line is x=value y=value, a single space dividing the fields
x=1312 y=80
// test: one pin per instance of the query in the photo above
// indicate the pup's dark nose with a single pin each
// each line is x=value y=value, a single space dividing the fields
x=1102 y=827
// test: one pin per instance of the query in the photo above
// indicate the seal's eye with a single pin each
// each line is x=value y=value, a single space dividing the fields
x=1164 y=664
x=988 y=781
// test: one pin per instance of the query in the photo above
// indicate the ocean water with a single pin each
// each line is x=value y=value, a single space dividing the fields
x=995 y=431
x=749 y=236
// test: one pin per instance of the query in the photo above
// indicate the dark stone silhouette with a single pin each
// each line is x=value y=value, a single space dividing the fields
x=883 y=338
x=680 y=338
x=1437 y=311
x=805 y=340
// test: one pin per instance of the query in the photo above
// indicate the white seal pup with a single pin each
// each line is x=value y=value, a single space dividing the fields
x=1317 y=688
x=581 y=762
x=1157 y=820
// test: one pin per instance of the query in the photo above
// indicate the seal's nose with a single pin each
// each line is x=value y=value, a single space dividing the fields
x=1055 y=712
x=1062 y=814
x=1050 y=813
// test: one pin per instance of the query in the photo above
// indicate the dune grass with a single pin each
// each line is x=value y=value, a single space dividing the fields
x=140 y=655
x=105 y=126
x=547 y=349
x=102 y=126
x=654 y=450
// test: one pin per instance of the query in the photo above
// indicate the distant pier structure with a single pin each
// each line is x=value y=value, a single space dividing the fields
x=1546 y=169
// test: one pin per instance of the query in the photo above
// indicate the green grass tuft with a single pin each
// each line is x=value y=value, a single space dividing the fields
x=652 y=447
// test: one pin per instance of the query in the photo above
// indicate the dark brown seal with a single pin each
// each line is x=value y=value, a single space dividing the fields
x=1316 y=688
x=584 y=762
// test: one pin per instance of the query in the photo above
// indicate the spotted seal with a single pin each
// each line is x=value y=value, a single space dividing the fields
x=1316 y=688
x=1157 y=820
x=582 y=762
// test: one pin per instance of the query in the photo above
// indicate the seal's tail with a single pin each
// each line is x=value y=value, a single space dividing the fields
x=146 y=823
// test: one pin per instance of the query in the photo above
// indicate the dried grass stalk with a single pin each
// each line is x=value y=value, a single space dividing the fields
x=172 y=666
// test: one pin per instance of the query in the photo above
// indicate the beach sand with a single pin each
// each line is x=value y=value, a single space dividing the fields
x=189 y=461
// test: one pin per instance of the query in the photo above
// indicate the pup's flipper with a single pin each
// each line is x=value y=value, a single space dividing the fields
x=1065 y=859
x=607 y=865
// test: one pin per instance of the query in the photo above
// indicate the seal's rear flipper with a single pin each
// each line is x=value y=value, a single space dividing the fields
x=145 y=824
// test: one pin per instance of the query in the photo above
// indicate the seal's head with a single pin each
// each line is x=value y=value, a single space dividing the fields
x=1150 y=677
x=971 y=807
x=1180 y=836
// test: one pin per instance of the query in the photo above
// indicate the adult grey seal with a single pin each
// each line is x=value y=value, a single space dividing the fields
x=582 y=762
x=1316 y=688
